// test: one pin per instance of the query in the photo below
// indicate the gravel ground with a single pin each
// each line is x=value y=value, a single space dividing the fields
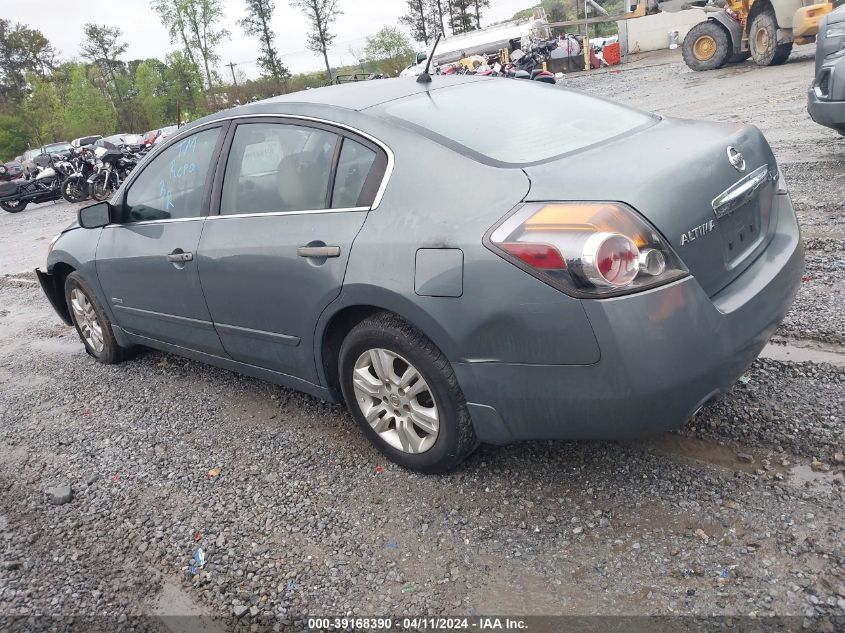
x=740 y=513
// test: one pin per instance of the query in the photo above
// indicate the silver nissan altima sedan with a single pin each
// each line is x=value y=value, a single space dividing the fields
x=457 y=267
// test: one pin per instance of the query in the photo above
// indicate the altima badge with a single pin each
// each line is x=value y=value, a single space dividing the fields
x=736 y=158
x=699 y=231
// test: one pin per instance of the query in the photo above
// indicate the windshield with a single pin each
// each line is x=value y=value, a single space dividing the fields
x=515 y=121
x=56 y=147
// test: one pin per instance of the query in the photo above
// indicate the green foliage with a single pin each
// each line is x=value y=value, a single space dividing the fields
x=195 y=25
x=321 y=14
x=22 y=51
x=257 y=22
x=84 y=110
x=388 y=44
x=14 y=136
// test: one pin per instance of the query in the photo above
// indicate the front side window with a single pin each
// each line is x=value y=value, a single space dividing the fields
x=173 y=185
x=277 y=167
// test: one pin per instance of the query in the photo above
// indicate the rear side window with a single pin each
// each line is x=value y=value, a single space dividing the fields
x=172 y=186
x=278 y=167
x=353 y=167
x=515 y=121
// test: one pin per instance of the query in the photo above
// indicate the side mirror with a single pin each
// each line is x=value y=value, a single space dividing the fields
x=96 y=215
x=421 y=57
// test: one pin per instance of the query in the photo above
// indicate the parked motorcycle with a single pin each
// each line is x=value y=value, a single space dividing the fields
x=113 y=166
x=44 y=186
x=75 y=186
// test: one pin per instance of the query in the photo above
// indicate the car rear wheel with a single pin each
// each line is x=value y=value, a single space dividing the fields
x=13 y=206
x=402 y=392
x=706 y=46
x=92 y=324
x=763 y=40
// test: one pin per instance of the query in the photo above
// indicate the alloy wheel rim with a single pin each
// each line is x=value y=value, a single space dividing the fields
x=86 y=319
x=396 y=401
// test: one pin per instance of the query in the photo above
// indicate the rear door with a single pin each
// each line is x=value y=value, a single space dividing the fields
x=146 y=262
x=292 y=199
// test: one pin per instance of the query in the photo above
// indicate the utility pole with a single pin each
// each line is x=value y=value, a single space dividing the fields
x=232 y=68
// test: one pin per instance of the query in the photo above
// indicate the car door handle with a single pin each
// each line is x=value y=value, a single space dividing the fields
x=180 y=257
x=318 y=251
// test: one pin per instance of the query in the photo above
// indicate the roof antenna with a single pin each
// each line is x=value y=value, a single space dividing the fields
x=425 y=78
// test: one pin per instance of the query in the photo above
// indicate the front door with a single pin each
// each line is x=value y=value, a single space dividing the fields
x=294 y=196
x=147 y=263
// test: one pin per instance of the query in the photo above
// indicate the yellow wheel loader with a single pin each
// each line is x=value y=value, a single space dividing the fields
x=735 y=30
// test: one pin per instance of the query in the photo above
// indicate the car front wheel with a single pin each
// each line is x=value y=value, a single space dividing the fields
x=91 y=322
x=402 y=392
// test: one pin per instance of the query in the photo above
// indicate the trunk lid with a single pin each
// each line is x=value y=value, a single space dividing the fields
x=679 y=176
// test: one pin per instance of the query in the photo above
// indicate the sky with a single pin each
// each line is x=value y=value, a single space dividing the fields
x=62 y=23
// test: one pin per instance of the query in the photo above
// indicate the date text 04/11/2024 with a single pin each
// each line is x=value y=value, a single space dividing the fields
x=417 y=624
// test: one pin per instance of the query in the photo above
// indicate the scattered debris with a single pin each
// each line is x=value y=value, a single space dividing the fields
x=745 y=458
x=214 y=472
x=198 y=561
x=60 y=495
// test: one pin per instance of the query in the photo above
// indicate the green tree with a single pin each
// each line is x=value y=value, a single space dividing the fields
x=22 y=50
x=478 y=5
x=196 y=24
x=418 y=20
x=14 y=136
x=461 y=17
x=42 y=110
x=150 y=103
x=183 y=89
x=257 y=22
x=102 y=48
x=85 y=110
x=321 y=15
x=388 y=50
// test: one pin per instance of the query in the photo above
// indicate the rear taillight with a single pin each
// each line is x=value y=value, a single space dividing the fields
x=587 y=250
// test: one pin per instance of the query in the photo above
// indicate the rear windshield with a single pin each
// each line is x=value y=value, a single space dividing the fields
x=516 y=121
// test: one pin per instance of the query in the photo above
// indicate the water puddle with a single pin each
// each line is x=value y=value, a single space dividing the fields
x=800 y=354
x=796 y=473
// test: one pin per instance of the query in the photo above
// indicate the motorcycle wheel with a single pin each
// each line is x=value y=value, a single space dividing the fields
x=75 y=189
x=13 y=206
x=99 y=190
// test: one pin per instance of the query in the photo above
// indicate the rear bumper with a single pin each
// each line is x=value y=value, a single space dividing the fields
x=664 y=353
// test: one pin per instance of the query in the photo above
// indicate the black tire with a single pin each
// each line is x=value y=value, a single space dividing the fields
x=99 y=189
x=112 y=352
x=75 y=189
x=706 y=46
x=762 y=40
x=455 y=439
x=13 y=206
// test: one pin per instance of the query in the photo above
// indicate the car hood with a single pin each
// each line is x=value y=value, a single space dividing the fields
x=671 y=173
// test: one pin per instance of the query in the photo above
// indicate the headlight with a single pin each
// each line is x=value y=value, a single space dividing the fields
x=837 y=30
x=2 y=169
x=53 y=243
x=587 y=250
